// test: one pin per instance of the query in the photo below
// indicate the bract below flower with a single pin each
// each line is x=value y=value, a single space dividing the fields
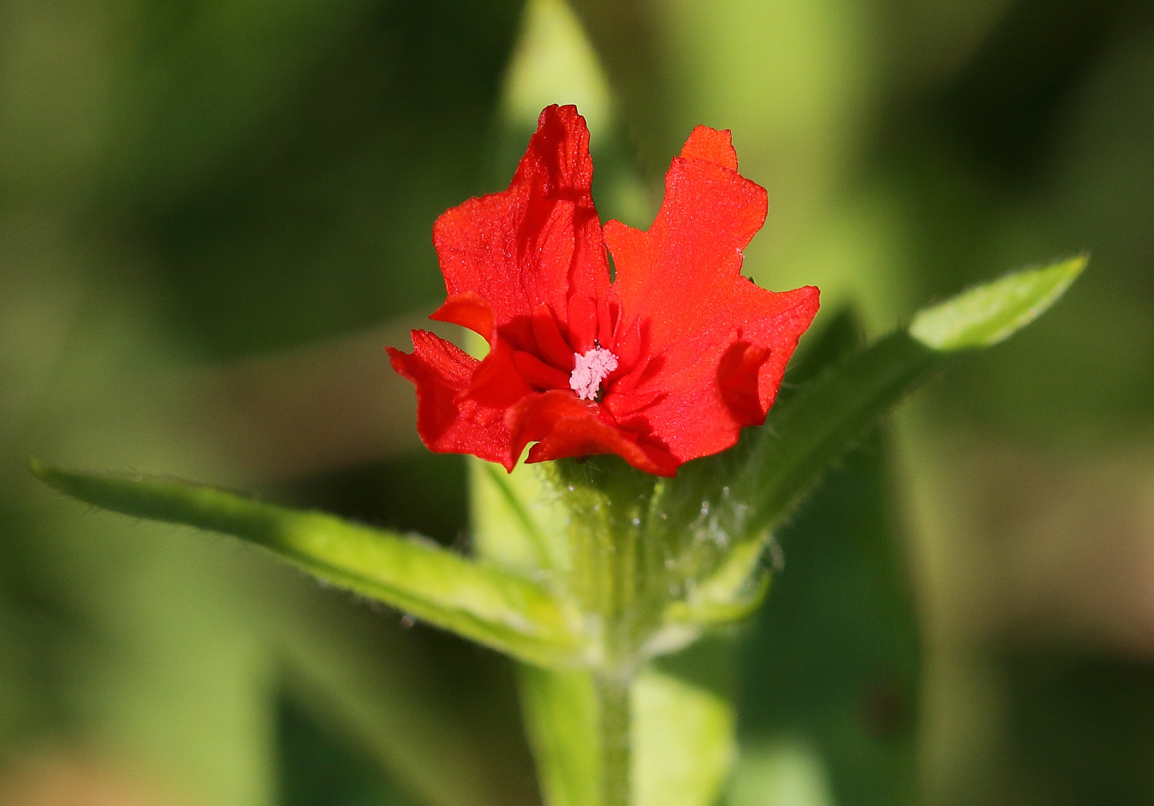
x=665 y=364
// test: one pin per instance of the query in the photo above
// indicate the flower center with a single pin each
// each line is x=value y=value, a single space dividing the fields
x=590 y=370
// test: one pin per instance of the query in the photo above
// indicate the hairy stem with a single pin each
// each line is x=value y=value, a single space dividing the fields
x=608 y=579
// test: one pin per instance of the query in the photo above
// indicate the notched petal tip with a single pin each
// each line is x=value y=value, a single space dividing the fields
x=711 y=145
x=558 y=153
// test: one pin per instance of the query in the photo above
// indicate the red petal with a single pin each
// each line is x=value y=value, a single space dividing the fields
x=737 y=375
x=550 y=343
x=564 y=426
x=496 y=382
x=711 y=145
x=582 y=323
x=539 y=241
x=468 y=310
x=537 y=373
x=681 y=271
x=446 y=421
x=682 y=277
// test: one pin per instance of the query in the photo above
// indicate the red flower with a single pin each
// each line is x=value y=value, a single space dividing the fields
x=666 y=364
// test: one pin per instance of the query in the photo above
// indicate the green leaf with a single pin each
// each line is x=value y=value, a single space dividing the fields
x=683 y=741
x=989 y=313
x=682 y=738
x=820 y=422
x=560 y=709
x=517 y=521
x=506 y=612
x=817 y=424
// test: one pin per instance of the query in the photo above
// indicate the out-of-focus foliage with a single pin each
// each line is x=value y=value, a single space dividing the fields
x=185 y=187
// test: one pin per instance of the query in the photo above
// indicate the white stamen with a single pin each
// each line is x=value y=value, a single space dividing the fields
x=590 y=370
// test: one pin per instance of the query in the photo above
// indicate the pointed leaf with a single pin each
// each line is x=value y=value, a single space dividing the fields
x=811 y=429
x=989 y=313
x=506 y=612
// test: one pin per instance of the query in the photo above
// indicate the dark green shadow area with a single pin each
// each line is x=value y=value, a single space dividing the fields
x=1080 y=728
x=832 y=662
x=424 y=492
x=319 y=768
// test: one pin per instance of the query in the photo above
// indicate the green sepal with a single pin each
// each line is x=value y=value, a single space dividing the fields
x=506 y=612
x=733 y=592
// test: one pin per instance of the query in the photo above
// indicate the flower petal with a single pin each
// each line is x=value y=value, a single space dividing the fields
x=539 y=241
x=711 y=145
x=446 y=421
x=563 y=426
x=698 y=351
x=550 y=343
x=682 y=270
x=682 y=278
x=537 y=373
x=737 y=377
x=469 y=310
x=496 y=382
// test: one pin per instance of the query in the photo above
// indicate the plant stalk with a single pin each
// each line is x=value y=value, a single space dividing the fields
x=608 y=580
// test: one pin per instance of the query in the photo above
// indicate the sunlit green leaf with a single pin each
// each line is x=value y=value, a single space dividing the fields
x=493 y=607
x=989 y=313
x=682 y=738
x=815 y=426
x=560 y=709
x=683 y=742
x=517 y=522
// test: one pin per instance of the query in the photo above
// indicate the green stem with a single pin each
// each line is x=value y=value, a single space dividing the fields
x=613 y=725
x=607 y=577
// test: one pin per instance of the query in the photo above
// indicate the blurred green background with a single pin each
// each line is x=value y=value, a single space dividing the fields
x=213 y=215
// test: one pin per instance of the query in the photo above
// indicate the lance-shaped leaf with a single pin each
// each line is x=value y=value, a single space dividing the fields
x=816 y=425
x=506 y=612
